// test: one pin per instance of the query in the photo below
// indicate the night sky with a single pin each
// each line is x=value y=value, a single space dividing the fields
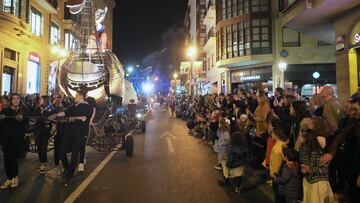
x=138 y=25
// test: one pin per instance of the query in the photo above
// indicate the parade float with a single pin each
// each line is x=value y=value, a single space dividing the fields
x=93 y=65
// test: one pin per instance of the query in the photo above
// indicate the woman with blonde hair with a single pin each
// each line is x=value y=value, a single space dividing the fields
x=261 y=117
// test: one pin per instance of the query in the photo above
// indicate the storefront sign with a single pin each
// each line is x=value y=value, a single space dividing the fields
x=357 y=37
x=34 y=57
x=250 y=77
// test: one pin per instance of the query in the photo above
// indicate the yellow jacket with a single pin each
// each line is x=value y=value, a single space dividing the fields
x=275 y=157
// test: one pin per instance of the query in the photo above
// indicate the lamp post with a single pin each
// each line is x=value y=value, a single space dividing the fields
x=316 y=76
x=191 y=53
x=282 y=67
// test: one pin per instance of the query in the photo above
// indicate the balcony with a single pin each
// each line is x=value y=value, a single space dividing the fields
x=210 y=16
x=211 y=40
x=314 y=17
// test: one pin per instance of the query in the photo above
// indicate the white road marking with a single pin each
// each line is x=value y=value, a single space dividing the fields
x=167 y=134
x=170 y=145
x=74 y=195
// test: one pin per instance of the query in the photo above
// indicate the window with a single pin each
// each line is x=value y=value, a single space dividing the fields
x=228 y=9
x=36 y=23
x=71 y=42
x=54 y=34
x=229 y=42
x=223 y=9
x=223 y=43
x=260 y=5
x=232 y=8
x=11 y=6
x=235 y=39
x=290 y=38
x=260 y=36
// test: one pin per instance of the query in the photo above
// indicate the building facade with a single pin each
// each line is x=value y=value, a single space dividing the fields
x=36 y=36
x=335 y=22
x=196 y=37
x=251 y=42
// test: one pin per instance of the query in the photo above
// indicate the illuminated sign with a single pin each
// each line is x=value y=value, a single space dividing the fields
x=250 y=77
x=34 y=57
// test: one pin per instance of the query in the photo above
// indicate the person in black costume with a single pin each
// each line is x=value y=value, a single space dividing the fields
x=42 y=130
x=91 y=101
x=77 y=128
x=60 y=126
x=13 y=133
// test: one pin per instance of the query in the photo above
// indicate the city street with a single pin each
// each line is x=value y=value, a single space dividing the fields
x=167 y=166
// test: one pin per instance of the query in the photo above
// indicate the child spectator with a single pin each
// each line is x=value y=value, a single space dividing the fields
x=275 y=157
x=316 y=182
x=288 y=179
x=221 y=146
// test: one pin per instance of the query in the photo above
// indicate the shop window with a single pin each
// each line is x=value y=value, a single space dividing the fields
x=36 y=23
x=33 y=78
x=54 y=34
x=290 y=38
x=7 y=79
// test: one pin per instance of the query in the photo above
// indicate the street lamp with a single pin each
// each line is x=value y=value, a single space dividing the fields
x=316 y=75
x=130 y=69
x=191 y=53
x=175 y=76
x=282 y=67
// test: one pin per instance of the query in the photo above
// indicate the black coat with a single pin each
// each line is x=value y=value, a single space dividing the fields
x=288 y=182
x=13 y=127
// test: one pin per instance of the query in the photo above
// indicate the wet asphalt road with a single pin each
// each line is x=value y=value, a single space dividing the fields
x=167 y=166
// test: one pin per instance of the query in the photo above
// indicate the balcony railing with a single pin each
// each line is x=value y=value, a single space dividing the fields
x=285 y=4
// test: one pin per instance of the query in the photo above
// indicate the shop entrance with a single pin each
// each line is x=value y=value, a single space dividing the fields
x=7 y=80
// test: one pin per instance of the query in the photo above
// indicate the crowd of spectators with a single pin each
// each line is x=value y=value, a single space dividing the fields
x=309 y=147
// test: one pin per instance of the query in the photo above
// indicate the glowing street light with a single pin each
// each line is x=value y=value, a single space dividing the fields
x=316 y=75
x=175 y=75
x=156 y=78
x=130 y=69
x=191 y=52
x=282 y=67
